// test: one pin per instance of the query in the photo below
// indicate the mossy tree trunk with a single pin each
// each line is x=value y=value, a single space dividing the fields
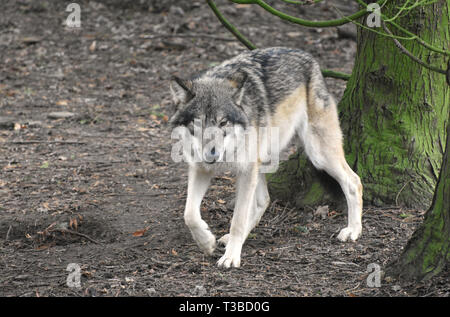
x=428 y=250
x=393 y=115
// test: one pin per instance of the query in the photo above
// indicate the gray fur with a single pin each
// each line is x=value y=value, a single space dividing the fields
x=269 y=76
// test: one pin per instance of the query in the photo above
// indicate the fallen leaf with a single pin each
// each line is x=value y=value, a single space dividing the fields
x=140 y=233
x=333 y=214
x=242 y=6
x=43 y=247
x=93 y=46
x=73 y=223
x=220 y=201
x=11 y=93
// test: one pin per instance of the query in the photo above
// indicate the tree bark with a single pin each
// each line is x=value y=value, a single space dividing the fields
x=393 y=115
x=428 y=250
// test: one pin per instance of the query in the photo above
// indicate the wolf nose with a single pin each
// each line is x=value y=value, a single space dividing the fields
x=212 y=156
x=215 y=154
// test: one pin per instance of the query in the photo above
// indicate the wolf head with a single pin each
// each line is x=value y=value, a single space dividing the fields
x=210 y=109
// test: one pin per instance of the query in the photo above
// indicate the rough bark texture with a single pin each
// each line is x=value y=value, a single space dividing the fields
x=428 y=250
x=393 y=115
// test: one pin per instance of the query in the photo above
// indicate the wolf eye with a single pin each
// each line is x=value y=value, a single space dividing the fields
x=190 y=127
x=223 y=123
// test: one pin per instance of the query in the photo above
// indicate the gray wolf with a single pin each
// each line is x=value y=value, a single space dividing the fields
x=277 y=88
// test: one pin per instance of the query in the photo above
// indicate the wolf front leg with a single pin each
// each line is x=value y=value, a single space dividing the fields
x=246 y=186
x=198 y=183
x=261 y=201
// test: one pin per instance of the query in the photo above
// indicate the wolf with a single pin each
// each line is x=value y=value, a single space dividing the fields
x=278 y=89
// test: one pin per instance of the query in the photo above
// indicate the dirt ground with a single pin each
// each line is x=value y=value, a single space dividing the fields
x=98 y=187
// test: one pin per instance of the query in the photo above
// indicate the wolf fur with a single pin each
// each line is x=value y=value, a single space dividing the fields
x=274 y=87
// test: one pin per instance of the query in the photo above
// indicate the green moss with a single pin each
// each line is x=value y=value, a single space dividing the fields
x=314 y=195
x=393 y=115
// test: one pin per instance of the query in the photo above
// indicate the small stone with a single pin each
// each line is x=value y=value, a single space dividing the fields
x=29 y=40
x=176 y=11
x=199 y=290
x=322 y=212
x=6 y=123
x=294 y=34
x=388 y=279
x=151 y=291
x=34 y=124
x=230 y=204
x=60 y=115
x=396 y=288
x=22 y=277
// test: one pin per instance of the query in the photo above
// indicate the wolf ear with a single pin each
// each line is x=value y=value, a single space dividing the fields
x=181 y=90
x=238 y=79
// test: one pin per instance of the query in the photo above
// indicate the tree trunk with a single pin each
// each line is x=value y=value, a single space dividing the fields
x=428 y=250
x=393 y=115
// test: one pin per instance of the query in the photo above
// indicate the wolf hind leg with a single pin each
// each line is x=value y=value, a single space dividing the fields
x=323 y=146
x=261 y=202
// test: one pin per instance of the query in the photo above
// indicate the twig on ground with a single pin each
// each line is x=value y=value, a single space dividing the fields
x=7 y=233
x=401 y=189
x=74 y=233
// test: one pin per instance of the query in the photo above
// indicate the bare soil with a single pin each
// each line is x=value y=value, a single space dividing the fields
x=99 y=188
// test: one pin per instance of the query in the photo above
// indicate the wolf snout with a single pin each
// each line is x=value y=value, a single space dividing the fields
x=211 y=156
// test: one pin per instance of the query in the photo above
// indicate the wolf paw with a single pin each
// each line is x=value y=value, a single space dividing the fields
x=232 y=256
x=350 y=232
x=229 y=261
x=205 y=240
x=224 y=240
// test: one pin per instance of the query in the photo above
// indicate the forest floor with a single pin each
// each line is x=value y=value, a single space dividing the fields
x=95 y=185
